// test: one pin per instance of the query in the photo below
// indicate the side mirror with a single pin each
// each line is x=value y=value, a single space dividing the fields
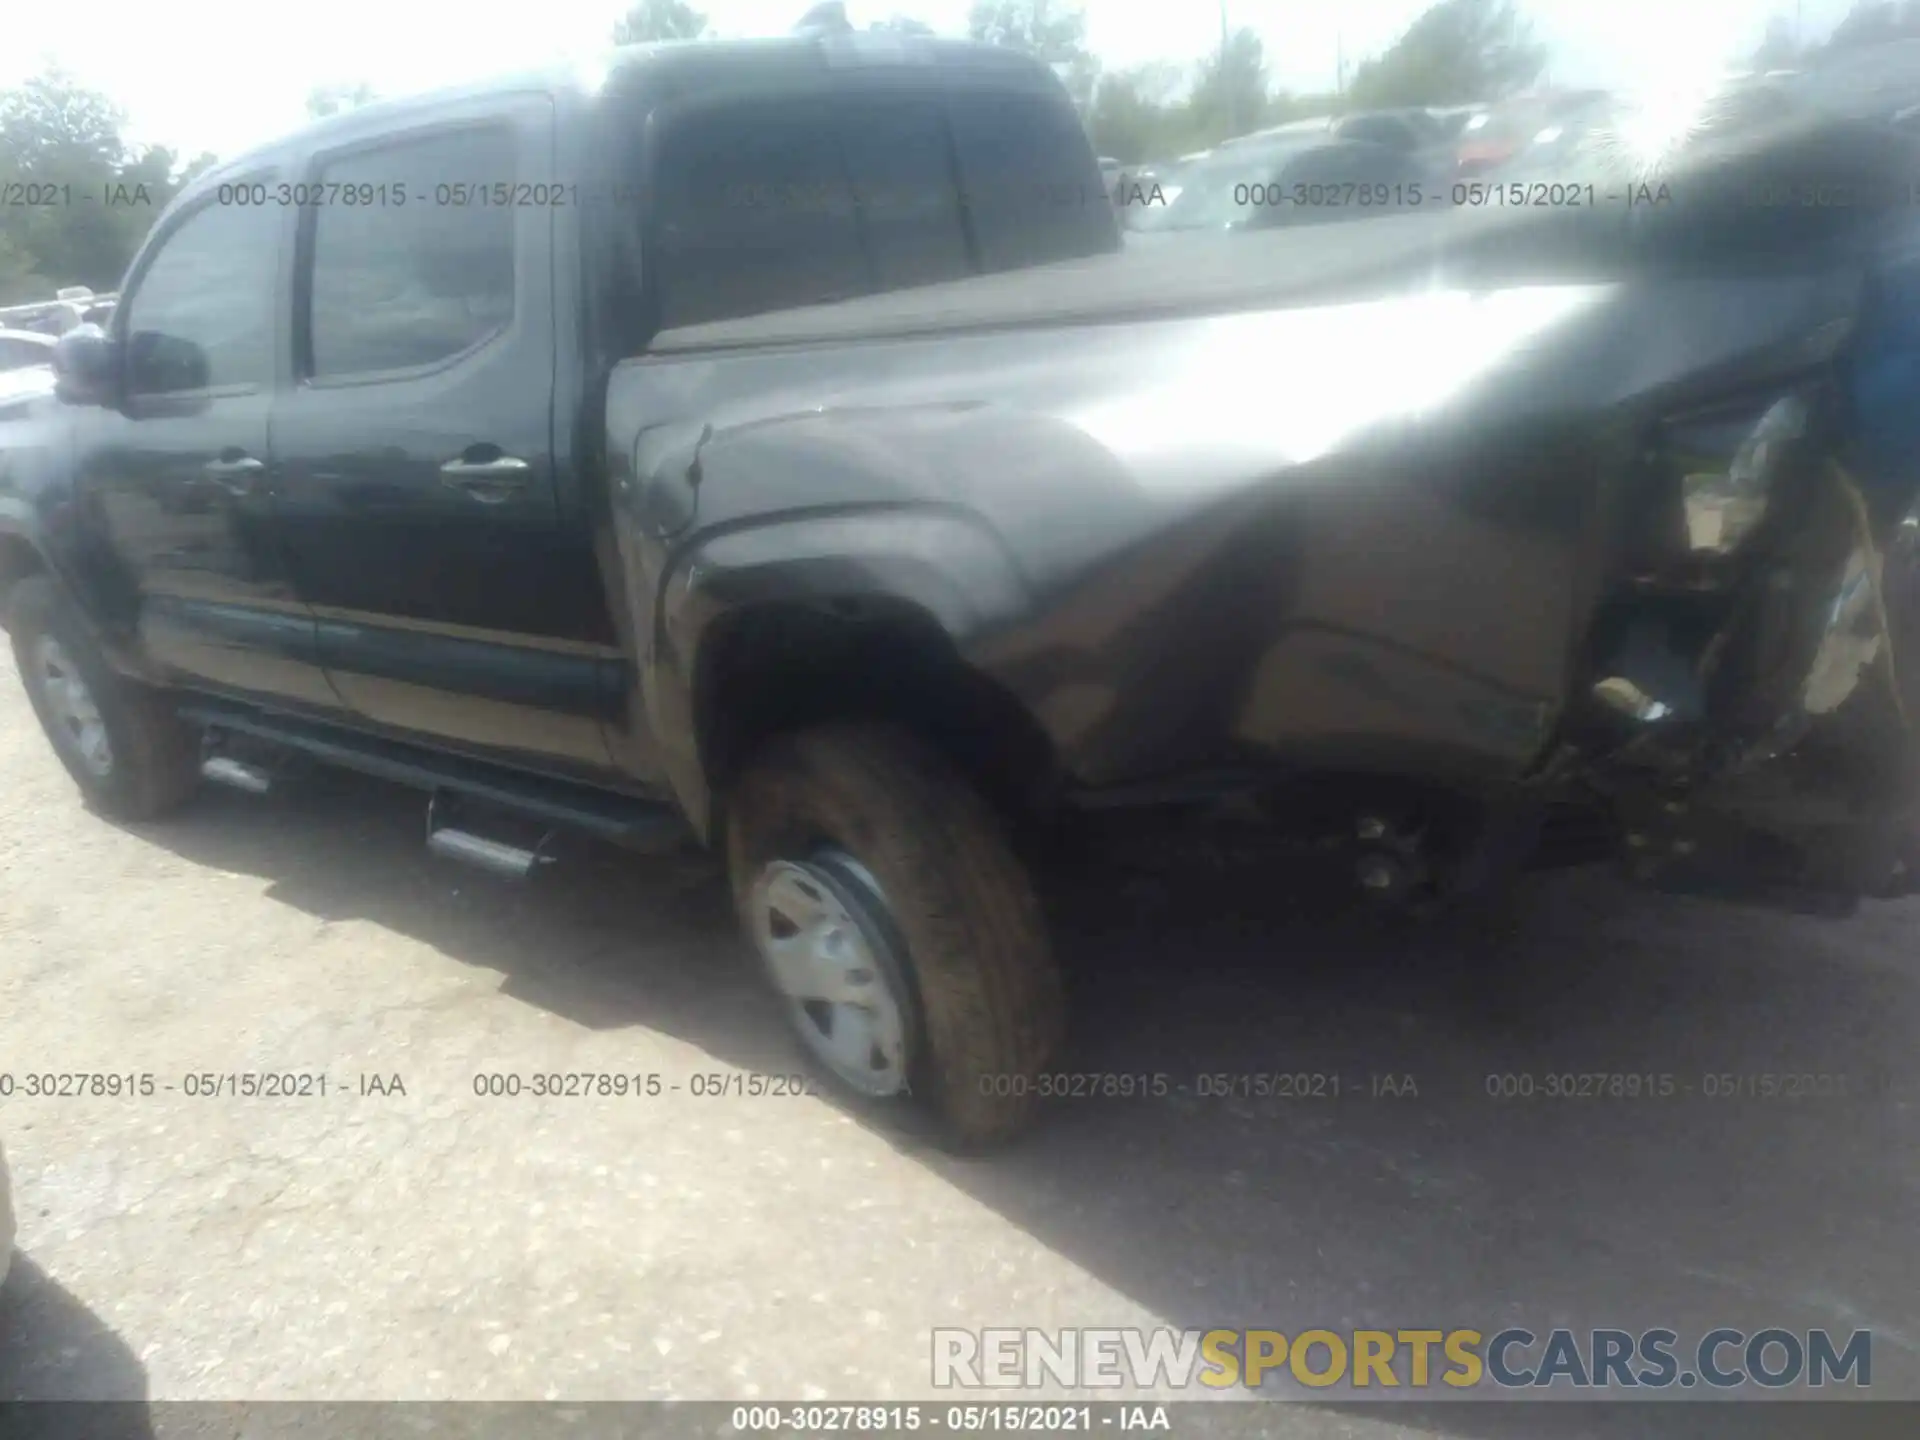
x=85 y=366
x=161 y=364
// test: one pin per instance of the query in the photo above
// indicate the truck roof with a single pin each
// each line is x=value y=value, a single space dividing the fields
x=671 y=66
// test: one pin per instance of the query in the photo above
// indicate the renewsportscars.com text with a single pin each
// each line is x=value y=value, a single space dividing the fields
x=1417 y=1359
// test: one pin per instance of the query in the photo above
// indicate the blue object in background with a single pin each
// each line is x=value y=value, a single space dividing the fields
x=1884 y=386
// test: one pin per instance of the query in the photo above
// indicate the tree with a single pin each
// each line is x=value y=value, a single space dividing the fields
x=1129 y=117
x=652 y=20
x=50 y=121
x=1455 y=53
x=1054 y=32
x=20 y=282
x=1051 y=30
x=63 y=141
x=1230 y=94
x=325 y=100
x=197 y=167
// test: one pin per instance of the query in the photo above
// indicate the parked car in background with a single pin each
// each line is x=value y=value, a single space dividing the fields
x=1313 y=125
x=26 y=370
x=1559 y=152
x=54 y=317
x=21 y=390
x=1143 y=189
x=1147 y=191
x=75 y=305
x=1494 y=137
x=1449 y=121
x=1405 y=130
x=1299 y=179
x=20 y=349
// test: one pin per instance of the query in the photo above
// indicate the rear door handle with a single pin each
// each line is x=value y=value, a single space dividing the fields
x=234 y=472
x=489 y=481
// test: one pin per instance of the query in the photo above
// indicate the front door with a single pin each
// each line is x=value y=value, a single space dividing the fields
x=416 y=445
x=177 y=471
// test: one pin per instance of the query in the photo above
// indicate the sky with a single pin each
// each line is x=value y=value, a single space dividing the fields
x=225 y=75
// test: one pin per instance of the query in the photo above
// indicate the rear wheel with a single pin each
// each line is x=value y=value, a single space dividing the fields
x=123 y=745
x=900 y=931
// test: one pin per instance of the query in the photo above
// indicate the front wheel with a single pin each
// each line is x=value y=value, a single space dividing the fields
x=898 y=927
x=131 y=756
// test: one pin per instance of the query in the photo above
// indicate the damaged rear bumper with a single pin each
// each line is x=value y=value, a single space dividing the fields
x=1749 y=714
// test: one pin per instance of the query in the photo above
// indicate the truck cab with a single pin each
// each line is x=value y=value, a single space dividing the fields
x=350 y=458
x=337 y=476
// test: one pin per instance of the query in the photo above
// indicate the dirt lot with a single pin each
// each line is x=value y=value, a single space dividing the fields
x=439 y=1243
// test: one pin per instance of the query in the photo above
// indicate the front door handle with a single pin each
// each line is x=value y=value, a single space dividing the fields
x=490 y=481
x=234 y=471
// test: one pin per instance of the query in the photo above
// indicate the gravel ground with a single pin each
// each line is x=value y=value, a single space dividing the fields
x=438 y=1244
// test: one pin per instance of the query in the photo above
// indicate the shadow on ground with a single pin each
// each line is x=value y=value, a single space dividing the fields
x=1414 y=1197
x=53 y=1348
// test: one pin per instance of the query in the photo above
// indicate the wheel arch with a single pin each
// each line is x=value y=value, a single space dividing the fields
x=779 y=666
x=857 y=612
x=20 y=557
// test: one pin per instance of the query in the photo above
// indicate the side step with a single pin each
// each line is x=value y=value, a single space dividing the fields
x=626 y=820
x=463 y=843
x=225 y=770
x=502 y=859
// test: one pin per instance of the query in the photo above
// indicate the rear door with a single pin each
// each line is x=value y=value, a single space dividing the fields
x=417 y=449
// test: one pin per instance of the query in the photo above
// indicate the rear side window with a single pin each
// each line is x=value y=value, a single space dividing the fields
x=201 y=315
x=777 y=205
x=901 y=166
x=399 y=285
x=753 y=212
x=1030 y=180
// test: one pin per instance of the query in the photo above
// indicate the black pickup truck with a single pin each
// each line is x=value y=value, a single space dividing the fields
x=772 y=445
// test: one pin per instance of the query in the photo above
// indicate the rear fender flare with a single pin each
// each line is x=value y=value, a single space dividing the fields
x=939 y=562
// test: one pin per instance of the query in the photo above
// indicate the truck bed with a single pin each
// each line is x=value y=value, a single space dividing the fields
x=1150 y=277
x=1700 y=217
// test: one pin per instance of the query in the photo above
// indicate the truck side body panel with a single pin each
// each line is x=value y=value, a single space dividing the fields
x=1359 y=535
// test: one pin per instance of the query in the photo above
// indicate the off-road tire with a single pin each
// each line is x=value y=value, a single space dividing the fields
x=986 y=1002
x=155 y=755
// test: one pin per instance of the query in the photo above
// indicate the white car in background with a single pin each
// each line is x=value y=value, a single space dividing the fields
x=24 y=349
x=26 y=385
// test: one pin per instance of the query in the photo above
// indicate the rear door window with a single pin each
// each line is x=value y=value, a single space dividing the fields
x=396 y=286
x=1030 y=179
